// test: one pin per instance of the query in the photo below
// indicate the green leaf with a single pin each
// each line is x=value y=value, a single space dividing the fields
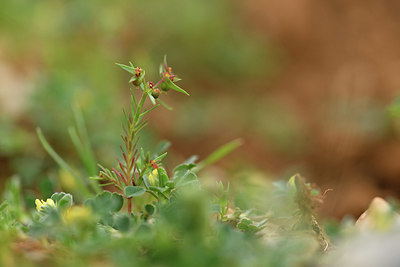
x=133 y=101
x=156 y=189
x=315 y=192
x=97 y=178
x=191 y=160
x=215 y=208
x=152 y=99
x=292 y=184
x=63 y=200
x=134 y=78
x=47 y=186
x=105 y=202
x=127 y=68
x=122 y=222
x=134 y=191
x=162 y=177
x=88 y=155
x=3 y=205
x=107 y=184
x=175 y=87
x=142 y=155
x=261 y=224
x=189 y=180
x=183 y=168
x=146 y=181
x=147 y=111
x=246 y=221
x=80 y=184
x=162 y=147
x=183 y=176
x=164 y=105
x=165 y=60
x=149 y=209
x=161 y=69
x=160 y=157
x=170 y=184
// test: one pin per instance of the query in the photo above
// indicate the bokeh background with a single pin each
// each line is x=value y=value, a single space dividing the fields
x=305 y=84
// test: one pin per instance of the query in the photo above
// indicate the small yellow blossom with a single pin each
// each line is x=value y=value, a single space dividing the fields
x=153 y=177
x=77 y=214
x=67 y=180
x=40 y=204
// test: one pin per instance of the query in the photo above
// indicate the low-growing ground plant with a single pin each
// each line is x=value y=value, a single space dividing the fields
x=136 y=213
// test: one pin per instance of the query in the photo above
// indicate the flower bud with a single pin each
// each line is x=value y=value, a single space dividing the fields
x=155 y=93
x=165 y=87
x=137 y=79
x=153 y=178
x=138 y=71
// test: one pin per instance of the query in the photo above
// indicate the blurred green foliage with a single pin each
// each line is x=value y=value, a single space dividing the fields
x=180 y=232
x=66 y=51
x=279 y=230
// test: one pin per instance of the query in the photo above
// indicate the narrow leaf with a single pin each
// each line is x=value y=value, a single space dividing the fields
x=82 y=187
x=152 y=99
x=219 y=153
x=160 y=157
x=175 y=87
x=165 y=105
x=127 y=68
x=147 y=111
x=87 y=156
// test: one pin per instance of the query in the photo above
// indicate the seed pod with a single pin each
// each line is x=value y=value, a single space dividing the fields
x=165 y=87
x=155 y=93
x=137 y=81
x=137 y=78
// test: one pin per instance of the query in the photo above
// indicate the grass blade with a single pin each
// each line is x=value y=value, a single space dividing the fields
x=80 y=184
x=219 y=153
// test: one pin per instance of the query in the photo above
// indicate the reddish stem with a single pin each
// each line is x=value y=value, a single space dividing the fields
x=129 y=205
x=158 y=82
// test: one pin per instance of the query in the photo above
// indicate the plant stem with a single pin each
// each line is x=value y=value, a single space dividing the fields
x=131 y=157
x=129 y=205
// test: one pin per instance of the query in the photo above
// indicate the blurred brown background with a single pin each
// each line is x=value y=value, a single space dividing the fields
x=305 y=83
x=343 y=70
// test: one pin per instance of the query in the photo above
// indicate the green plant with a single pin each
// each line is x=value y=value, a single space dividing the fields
x=147 y=217
x=138 y=171
x=394 y=108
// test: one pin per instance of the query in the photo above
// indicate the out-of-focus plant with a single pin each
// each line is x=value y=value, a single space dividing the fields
x=63 y=50
x=394 y=108
x=174 y=221
x=80 y=140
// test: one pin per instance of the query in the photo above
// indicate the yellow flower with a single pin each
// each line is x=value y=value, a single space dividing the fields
x=153 y=178
x=67 y=180
x=78 y=214
x=40 y=204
